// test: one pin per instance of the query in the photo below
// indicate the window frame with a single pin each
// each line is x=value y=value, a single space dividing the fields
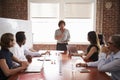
x=61 y=16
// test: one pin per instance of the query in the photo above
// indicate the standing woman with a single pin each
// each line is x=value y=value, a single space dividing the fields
x=6 y=57
x=62 y=36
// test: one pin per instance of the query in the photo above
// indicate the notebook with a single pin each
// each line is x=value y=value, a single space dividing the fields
x=47 y=58
x=36 y=66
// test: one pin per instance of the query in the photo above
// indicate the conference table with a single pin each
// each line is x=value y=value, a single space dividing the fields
x=60 y=66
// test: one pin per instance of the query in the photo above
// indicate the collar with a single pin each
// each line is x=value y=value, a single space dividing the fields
x=117 y=55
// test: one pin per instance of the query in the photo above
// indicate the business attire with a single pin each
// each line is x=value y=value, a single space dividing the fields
x=111 y=64
x=21 y=52
x=7 y=55
x=95 y=63
x=18 y=52
x=94 y=56
x=63 y=42
x=28 y=52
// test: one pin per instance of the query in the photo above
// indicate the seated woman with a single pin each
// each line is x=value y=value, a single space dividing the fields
x=93 y=49
x=103 y=48
x=95 y=63
x=6 y=57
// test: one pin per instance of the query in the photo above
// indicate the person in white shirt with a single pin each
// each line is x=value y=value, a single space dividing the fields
x=20 y=51
x=62 y=36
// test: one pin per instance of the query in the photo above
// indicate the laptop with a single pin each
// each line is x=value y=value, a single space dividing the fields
x=36 y=66
x=72 y=49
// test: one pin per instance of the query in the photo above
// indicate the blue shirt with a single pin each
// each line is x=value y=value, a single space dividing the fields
x=111 y=64
x=95 y=63
x=7 y=55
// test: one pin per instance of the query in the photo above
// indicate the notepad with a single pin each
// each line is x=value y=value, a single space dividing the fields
x=35 y=66
x=47 y=58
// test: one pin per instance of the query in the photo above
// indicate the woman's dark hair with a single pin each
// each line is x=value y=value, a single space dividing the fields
x=5 y=40
x=101 y=39
x=20 y=36
x=92 y=37
x=61 y=22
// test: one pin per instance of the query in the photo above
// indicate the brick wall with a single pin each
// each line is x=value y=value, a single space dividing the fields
x=16 y=9
x=108 y=19
x=53 y=46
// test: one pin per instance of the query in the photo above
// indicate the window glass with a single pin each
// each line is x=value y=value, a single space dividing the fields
x=45 y=18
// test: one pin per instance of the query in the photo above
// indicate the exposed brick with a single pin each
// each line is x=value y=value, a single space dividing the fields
x=16 y=9
x=110 y=18
x=107 y=20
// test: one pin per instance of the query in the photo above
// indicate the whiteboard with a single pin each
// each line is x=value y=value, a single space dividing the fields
x=14 y=25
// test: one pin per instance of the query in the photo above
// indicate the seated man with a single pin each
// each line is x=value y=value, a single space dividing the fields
x=112 y=63
x=20 y=51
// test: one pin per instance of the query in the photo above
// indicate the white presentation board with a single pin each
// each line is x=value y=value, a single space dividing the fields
x=14 y=25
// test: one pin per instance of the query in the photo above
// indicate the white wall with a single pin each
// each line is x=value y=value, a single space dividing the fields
x=14 y=25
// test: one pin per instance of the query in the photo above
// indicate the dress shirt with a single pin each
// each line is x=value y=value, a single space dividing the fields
x=95 y=63
x=28 y=52
x=18 y=52
x=21 y=52
x=111 y=64
x=65 y=36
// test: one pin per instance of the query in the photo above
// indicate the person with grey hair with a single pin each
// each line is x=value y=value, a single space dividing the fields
x=111 y=63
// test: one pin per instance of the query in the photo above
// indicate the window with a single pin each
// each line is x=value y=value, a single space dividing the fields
x=45 y=18
x=78 y=29
x=44 y=21
x=43 y=30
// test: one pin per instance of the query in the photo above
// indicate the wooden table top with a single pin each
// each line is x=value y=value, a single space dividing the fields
x=61 y=67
